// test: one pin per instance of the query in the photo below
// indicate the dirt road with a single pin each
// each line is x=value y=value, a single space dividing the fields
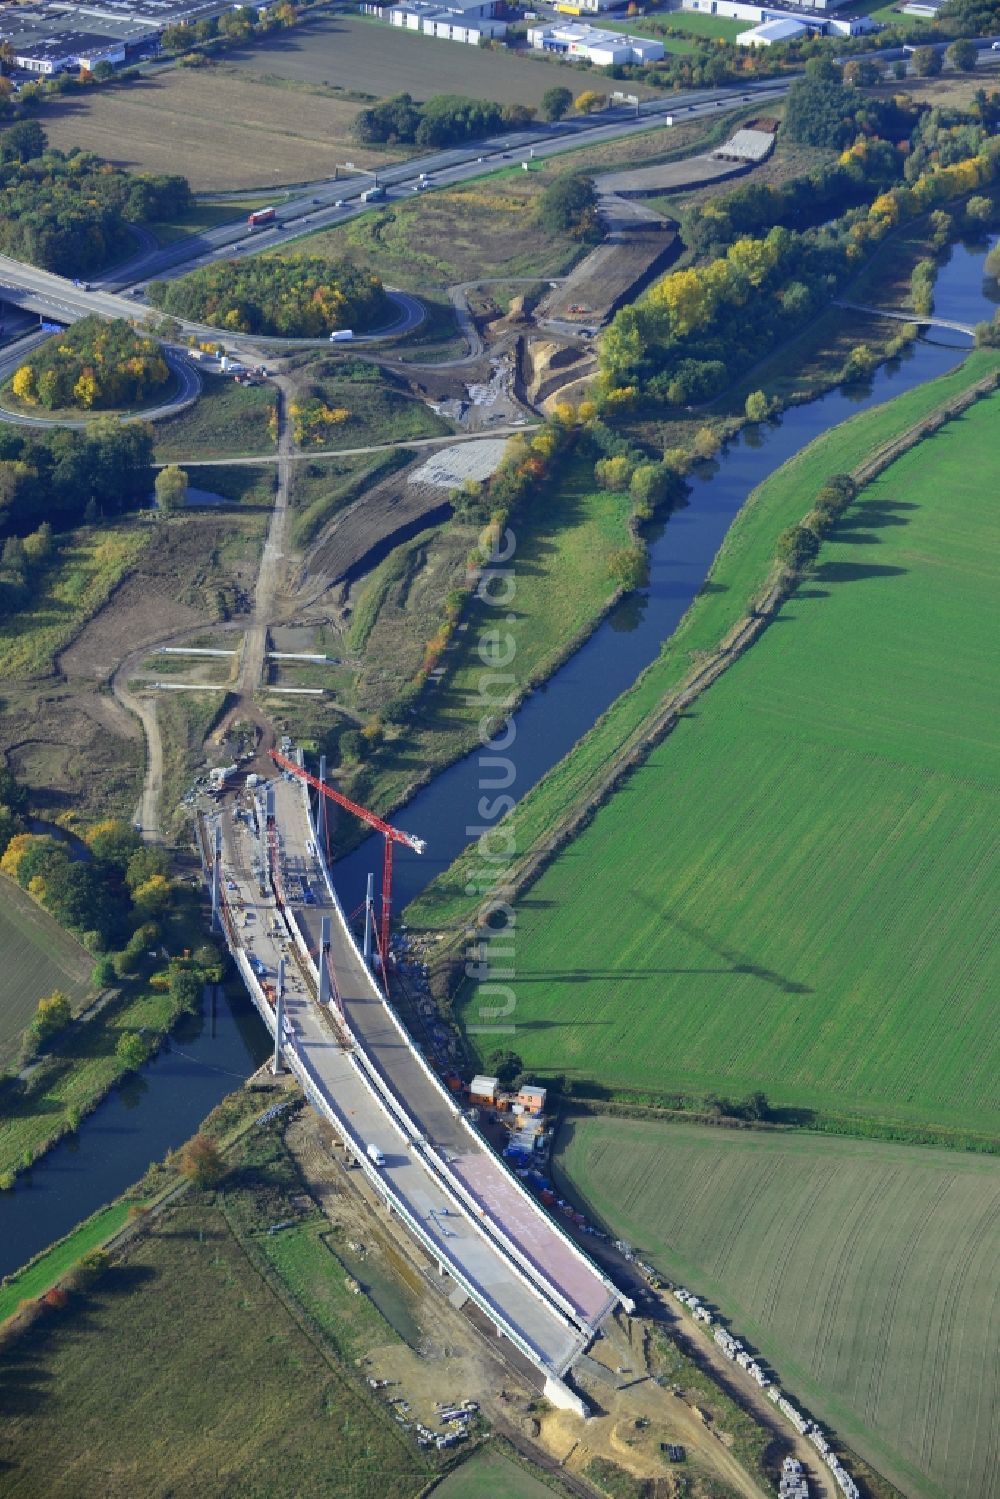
x=147 y=813
x=255 y=641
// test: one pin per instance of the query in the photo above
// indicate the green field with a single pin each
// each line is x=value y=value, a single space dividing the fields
x=678 y=27
x=798 y=892
x=184 y=1374
x=226 y=420
x=38 y=956
x=739 y=572
x=863 y=1271
x=487 y=1476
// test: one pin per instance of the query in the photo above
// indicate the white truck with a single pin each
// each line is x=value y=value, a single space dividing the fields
x=341 y=335
x=375 y=1155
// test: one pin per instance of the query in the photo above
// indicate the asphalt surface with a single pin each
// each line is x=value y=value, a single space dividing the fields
x=344 y=1076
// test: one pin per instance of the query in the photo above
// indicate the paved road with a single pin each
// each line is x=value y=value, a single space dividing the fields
x=463 y=1245
x=415 y=443
x=331 y=202
x=327 y=202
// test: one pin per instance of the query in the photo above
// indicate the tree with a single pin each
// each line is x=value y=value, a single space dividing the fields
x=926 y=62
x=24 y=384
x=756 y=406
x=201 y=1161
x=627 y=568
x=979 y=210
x=962 y=54
x=53 y=1014
x=131 y=1051
x=862 y=72
x=820 y=108
x=797 y=547
x=171 y=487
x=556 y=102
x=568 y=205
x=590 y=101
x=507 y=1067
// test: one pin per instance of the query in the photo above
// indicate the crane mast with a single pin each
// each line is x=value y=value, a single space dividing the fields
x=391 y=835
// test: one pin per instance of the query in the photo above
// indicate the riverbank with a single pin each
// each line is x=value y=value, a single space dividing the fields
x=714 y=631
x=828 y=801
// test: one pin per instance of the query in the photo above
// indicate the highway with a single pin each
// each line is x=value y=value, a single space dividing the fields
x=323 y=204
x=491 y=1239
x=121 y=292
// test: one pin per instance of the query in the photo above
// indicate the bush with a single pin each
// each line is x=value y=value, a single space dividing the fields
x=200 y=1160
x=131 y=1051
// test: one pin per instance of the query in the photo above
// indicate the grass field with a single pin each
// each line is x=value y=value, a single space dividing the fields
x=183 y=1373
x=863 y=1271
x=378 y=409
x=358 y=54
x=678 y=28
x=67 y=592
x=488 y=1475
x=228 y=419
x=455 y=235
x=198 y=121
x=799 y=887
x=37 y=956
x=739 y=571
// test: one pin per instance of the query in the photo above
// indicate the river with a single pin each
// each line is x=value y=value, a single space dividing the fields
x=207 y=1058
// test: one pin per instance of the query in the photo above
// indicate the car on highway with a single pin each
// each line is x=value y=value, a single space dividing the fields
x=317 y=201
x=339 y=203
x=375 y=1155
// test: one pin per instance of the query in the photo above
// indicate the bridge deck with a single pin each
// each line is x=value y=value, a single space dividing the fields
x=497 y=1197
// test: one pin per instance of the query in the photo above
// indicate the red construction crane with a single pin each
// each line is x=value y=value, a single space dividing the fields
x=390 y=834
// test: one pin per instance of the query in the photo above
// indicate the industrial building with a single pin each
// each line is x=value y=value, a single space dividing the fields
x=62 y=36
x=584 y=7
x=471 y=23
x=772 y=32
x=604 y=49
x=743 y=10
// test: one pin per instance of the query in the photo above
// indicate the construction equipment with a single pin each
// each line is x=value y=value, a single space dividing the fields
x=391 y=835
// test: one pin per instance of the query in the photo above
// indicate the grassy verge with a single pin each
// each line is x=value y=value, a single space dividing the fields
x=739 y=572
x=64 y=594
x=775 y=948
x=876 y=1240
x=48 y=1268
x=228 y=419
x=202 y=215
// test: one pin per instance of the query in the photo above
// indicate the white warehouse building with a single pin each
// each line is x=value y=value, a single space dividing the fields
x=470 y=23
x=604 y=49
x=770 y=32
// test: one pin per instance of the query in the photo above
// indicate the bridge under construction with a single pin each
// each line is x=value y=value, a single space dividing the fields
x=334 y=1028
